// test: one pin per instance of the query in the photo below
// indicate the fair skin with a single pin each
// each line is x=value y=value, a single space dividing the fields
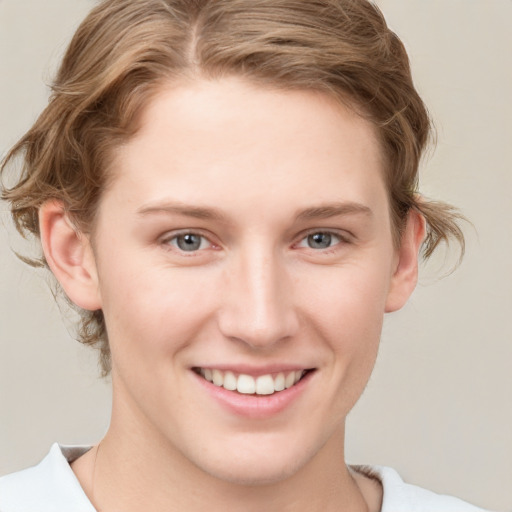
x=245 y=230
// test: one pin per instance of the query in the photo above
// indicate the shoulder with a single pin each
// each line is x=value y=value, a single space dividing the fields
x=399 y=496
x=51 y=486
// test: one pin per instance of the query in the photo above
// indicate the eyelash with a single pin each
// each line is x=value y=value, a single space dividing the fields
x=168 y=241
x=174 y=241
x=341 y=239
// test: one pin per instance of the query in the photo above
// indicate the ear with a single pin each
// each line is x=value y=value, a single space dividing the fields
x=405 y=276
x=69 y=255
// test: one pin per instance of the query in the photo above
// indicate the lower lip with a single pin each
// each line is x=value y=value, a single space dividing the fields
x=255 y=406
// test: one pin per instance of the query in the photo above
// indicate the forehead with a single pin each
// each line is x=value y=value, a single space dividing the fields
x=205 y=140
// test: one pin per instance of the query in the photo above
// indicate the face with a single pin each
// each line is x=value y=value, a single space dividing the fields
x=245 y=240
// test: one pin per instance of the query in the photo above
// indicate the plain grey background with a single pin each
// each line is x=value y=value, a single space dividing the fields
x=439 y=405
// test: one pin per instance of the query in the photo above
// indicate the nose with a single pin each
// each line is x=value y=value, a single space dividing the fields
x=258 y=303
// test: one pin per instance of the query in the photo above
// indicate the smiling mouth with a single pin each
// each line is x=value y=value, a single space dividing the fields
x=268 y=384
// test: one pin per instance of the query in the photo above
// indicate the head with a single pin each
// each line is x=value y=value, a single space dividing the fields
x=293 y=98
x=127 y=56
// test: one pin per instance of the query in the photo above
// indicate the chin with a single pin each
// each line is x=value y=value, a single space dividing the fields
x=253 y=474
x=257 y=465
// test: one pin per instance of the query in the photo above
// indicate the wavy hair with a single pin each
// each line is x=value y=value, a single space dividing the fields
x=125 y=50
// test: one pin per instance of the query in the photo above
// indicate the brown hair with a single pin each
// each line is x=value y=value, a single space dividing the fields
x=125 y=49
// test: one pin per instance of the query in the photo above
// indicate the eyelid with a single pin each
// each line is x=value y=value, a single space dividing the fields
x=171 y=235
x=341 y=233
x=343 y=236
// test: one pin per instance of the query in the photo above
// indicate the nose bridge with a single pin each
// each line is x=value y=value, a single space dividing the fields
x=258 y=307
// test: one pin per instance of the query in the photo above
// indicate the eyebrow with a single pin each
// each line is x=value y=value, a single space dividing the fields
x=196 y=212
x=334 y=210
x=206 y=213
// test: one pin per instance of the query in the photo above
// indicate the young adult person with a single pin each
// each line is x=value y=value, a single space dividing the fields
x=227 y=192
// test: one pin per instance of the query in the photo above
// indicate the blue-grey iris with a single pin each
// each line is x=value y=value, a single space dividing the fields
x=319 y=240
x=189 y=242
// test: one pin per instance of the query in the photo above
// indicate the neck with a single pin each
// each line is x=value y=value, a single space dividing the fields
x=134 y=468
x=169 y=483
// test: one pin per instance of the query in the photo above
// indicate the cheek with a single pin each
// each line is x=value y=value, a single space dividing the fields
x=151 y=312
x=351 y=300
x=347 y=316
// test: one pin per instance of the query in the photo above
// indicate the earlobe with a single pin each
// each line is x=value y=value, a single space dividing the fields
x=405 y=275
x=69 y=255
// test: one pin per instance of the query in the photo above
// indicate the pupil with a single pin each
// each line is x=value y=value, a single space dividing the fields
x=319 y=240
x=189 y=242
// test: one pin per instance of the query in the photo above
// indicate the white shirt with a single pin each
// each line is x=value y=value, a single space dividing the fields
x=51 y=486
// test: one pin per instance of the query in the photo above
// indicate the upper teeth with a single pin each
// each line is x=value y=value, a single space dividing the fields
x=246 y=384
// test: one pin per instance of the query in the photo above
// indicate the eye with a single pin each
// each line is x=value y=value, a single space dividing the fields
x=320 y=240
x=189 y=242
